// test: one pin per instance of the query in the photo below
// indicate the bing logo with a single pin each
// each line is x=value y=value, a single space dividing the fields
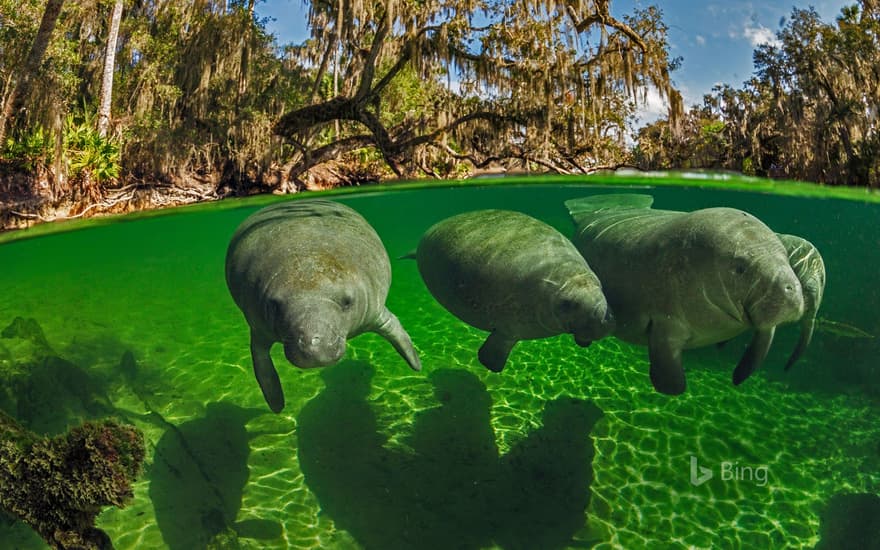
x=729 y=471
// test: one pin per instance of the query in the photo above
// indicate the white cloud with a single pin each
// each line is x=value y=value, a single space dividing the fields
x=701 y=40
x=654 y=106
x=758 y=34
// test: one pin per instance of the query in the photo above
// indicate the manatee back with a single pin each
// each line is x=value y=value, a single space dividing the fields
x=498 y=269
x=302 y=246
x=605 y=224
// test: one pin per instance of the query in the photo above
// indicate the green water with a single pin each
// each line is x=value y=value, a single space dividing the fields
x=566 y=448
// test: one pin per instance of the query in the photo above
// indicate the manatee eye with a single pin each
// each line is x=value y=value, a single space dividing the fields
x=274 y=308
x=740 y=267
x=346 y=302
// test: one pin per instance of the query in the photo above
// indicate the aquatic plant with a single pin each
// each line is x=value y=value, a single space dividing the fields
x=59 y=485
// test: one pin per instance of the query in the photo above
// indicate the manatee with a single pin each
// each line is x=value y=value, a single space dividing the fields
x=809 y=267
x=514 y=276
x=310 y=274
x=681 y=280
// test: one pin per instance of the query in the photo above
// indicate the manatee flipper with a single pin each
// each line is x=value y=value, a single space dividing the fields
x=807 y=326
x=265 y=372
x=495 y=350
x=389 y=327
x=664 y=352
x=754 y=355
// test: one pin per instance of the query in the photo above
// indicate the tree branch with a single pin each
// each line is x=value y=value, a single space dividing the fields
x=386 y=145
x=430 y=137
x=301 y=119
x=384 y=29
x=328 y=152
x=603 y=16
x=468 y=157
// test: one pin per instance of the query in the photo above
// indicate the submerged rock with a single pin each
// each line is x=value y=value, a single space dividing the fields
x=27 y=329
x=59 y=485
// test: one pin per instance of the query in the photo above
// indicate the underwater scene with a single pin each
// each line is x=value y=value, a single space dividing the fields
x=569 y=446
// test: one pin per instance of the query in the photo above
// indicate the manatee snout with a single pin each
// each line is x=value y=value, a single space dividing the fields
x=589 y=319
x=314 y=348
x=782 y=302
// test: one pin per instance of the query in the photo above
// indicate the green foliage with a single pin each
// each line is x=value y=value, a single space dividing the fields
x=712 y=128
x=87 y=152
x=199 y=86
x=33 y=149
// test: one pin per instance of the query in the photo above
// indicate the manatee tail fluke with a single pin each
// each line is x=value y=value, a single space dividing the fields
x=587 y=206
x=807 y=326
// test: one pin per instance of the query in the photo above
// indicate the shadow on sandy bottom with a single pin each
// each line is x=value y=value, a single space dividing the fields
x=453 y=490
x=851 y=522
x=198 y=477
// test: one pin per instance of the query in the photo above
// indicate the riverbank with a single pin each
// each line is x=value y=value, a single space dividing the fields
x=26 y=202
x=30 y=198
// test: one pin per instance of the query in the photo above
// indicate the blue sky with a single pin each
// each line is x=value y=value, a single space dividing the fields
x=714 y=38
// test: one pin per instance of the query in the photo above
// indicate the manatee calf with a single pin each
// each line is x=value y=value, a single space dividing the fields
x=809 y=267
x=310 y=274
x=680 y=280
x=512 y=275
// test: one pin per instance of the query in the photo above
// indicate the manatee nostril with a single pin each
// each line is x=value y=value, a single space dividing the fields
x=316 y=340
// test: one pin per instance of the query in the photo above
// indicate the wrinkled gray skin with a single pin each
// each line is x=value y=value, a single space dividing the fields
x=680 y=280
x=515 y=276
x=809 y=267
x=310 y=274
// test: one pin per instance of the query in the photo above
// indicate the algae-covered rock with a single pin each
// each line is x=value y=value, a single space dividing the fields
x=59 y=485
x=27 y=329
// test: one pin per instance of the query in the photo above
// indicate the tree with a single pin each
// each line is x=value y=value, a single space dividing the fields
x=31 y=65
x=809 y=112
x=109 y=69
x=548 y=84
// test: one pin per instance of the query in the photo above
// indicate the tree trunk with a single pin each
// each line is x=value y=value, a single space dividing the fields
x=244 y=66
x=109 y=65
x=31 y=64
x=336 y=127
